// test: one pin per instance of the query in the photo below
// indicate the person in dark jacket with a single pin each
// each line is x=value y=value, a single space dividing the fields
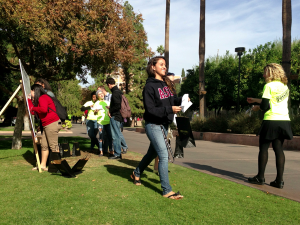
x=160 y=106
x=116 y=117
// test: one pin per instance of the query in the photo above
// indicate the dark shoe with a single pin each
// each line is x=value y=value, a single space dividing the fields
x=115 y=157
x=124 y=151
x=277 y=184
x=256 y=180
x=135 y=181
x=106 y=154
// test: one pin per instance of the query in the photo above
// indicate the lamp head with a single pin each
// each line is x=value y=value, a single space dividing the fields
x=240 y=50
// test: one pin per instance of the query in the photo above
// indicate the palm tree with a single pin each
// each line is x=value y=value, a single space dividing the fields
x=286 y=38
x=160 y=49
x=167 y=32
x=202 y=92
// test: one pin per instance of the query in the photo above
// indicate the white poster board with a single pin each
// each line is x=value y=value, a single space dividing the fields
x=26 y=91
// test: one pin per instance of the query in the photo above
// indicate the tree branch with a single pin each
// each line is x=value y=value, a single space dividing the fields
x=17 y=52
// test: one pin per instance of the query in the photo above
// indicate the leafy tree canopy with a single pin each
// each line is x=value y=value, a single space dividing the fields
x=61 y=39
x=221 y=76
x=160 y=49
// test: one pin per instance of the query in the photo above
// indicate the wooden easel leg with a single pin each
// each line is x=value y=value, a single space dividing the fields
x=37 y=157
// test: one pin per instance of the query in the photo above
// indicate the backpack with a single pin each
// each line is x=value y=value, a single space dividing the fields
x=125 y=108
x=60 y=110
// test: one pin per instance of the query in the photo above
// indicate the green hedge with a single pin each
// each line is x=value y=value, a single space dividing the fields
x=239 y=124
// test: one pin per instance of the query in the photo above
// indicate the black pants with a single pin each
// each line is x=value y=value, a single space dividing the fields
x=277 y=145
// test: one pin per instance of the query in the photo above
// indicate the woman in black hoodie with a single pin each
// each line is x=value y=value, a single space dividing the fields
x=160 y=106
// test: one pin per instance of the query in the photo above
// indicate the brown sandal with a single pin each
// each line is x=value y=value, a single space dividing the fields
x=175 y=196
x=136 y=182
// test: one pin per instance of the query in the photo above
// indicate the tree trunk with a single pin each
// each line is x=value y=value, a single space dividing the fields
x=26 y=122
x=202 y=92
x=132 y=122
x=286 y=38
x=286 y=41
x=17 y=136
x=167 y=33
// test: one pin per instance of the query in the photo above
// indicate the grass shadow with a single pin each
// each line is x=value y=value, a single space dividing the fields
x=217 y=171
x=125 y=173
x=134 y=163
x=29 y=157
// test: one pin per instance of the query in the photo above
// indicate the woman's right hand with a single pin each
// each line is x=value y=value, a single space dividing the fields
x=176 y=109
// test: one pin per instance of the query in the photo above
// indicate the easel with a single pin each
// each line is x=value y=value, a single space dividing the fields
x=10 y=100
x=34 y=138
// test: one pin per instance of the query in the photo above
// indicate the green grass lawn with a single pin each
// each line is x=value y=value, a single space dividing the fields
x=12 y=128
x=105 y=194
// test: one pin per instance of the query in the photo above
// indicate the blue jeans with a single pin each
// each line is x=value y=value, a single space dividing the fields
x=101 y=136
x=157 y=147
x=107 y=138
x=116 y=135
x=92 y=130
x=123 y=142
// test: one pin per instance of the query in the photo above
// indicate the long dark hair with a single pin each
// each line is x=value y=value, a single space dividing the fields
x=44 y=82
x=151 y=72
x=38 y=92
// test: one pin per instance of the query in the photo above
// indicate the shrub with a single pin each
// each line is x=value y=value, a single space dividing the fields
x=67 y=124
x=143 y=123
x=244 y=124
x=240 y=123
x=295 y=123
x=214 y=124
x=197 y=124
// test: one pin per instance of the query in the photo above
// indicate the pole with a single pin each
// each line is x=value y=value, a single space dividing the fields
x=11 y=98
x=167 y=28
x=238 y=100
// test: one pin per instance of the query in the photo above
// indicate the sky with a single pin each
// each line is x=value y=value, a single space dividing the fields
x=229 y=24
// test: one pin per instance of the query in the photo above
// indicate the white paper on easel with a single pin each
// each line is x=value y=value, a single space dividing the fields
x=185 y=103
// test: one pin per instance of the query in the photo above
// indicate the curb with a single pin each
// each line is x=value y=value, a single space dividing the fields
x=240 y=139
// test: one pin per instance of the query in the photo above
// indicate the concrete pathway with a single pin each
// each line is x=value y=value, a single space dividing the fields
x=228 y=161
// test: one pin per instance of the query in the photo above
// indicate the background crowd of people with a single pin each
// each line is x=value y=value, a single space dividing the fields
x=103 y=118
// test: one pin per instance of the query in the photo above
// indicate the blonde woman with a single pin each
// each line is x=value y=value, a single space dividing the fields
x=276 y=124
x=102 y=120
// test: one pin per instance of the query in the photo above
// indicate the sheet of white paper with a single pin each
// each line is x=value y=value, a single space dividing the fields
x=174 y=120
x=96 y=106
x=185 y=103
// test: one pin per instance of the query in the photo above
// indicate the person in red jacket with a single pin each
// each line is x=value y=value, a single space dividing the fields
x=44 y=107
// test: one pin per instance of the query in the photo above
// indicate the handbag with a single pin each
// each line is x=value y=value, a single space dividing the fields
x=178 y=148
x=76 y=149
x=66 y=149
x=170 y=152
x=185 y=132
x=63 y=166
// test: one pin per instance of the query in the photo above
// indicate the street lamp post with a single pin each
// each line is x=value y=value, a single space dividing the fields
x=239 y=51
